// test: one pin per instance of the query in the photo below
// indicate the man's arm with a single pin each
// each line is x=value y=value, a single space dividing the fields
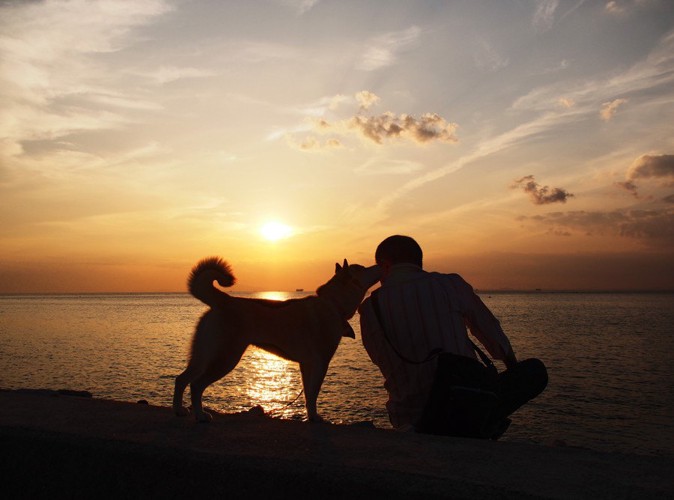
x=369 y=330
x=482 y=323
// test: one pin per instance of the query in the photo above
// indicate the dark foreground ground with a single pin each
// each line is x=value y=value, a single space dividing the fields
x=64 y=446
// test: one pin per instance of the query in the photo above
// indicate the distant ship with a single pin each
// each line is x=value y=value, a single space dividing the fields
x=299 y=289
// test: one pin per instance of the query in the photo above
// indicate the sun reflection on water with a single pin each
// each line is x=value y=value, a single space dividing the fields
x=274 y=383
x=272 y=295
x=263 y=379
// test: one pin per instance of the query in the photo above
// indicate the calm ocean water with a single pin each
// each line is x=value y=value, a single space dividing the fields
x=608 y=355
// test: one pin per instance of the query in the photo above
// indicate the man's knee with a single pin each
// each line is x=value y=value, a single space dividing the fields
x=536 y=373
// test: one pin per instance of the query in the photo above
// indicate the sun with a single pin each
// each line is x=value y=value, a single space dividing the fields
x=275 y=231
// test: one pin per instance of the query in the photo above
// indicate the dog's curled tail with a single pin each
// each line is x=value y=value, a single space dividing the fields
x=200 y=281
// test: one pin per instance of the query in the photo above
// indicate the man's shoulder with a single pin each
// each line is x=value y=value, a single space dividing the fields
x=453 y=283
x=447 y=276
x=422 y=276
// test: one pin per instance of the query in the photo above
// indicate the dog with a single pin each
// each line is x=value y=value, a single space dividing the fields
x=306 y=330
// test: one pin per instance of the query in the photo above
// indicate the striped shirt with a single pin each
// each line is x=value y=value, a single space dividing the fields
x=423 y=311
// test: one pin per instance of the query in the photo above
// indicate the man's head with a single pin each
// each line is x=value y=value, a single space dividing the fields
x=398 y=250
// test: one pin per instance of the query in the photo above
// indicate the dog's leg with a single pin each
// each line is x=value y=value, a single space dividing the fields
x=200 y=359
x=179 y=389
x=196 y=366
x=196 y=392
x=218 y=368
x=193 y=370
x=313 y=374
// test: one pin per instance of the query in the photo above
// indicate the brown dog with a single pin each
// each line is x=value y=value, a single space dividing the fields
x=306 y=330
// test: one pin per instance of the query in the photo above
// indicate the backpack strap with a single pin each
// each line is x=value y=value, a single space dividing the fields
x=434 y=352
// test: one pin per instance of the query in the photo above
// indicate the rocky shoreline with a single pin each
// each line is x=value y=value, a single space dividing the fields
x=67 y=443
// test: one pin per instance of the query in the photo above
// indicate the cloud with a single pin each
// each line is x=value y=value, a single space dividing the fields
x=609 y=109
x=544 y=16
x=376 y=166
x=624 y=8
x=52 y=72
x=647 y=81
x=311 y=143
x=366 y=99
x=654 y=226
x=629 y=186
x=383 y=50
x=561 y=66
x=429 y=127
x=299 y=6
x=487 y=58
x=323 y=106
x=481 y=150
x=381 y=128
x=168 y=74
x=541 y=195
x=614 y=8
x=648 y=167
x=565 y=102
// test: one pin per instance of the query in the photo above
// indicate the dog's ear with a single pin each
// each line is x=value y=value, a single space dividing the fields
x=346 y=264
x=337 y=267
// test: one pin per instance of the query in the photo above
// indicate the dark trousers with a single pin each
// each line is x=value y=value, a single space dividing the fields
x=466 y=401
x=517 y=385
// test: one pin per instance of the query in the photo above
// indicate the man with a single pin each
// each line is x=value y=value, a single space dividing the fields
x=419 y=313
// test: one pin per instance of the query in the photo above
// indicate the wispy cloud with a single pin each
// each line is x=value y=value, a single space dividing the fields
x=544 y=15
x=378 y=166
x=626 y=8
x=563 y=65
x=481 y=150
x=313 y=143
x=615 y=8
x=651 y=75
x=52 y=81
x=541 y=195
x=299 y=6
x=168 y=74
x=487 y=58
x=383 y=50
x=610 y=108
x=257 y=51
x=565 y=102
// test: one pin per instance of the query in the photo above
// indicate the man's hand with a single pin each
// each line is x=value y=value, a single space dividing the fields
x=510 y=359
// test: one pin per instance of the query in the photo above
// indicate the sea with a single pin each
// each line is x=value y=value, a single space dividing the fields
x=609 y=359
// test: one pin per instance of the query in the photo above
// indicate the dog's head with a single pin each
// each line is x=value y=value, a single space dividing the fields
x=361 y=276
x=347 y=288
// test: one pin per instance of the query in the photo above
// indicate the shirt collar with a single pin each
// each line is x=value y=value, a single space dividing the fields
x=400 y=273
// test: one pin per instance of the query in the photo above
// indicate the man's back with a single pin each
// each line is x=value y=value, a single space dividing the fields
x=422 y=312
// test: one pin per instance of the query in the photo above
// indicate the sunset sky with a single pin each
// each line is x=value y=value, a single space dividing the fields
x=524 y=143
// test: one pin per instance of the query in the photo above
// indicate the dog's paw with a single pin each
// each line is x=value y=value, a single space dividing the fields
x=204 y=417
x=181 y=411
x=316 y=419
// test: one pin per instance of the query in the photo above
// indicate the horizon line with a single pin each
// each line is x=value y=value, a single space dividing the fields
x=477 y=291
